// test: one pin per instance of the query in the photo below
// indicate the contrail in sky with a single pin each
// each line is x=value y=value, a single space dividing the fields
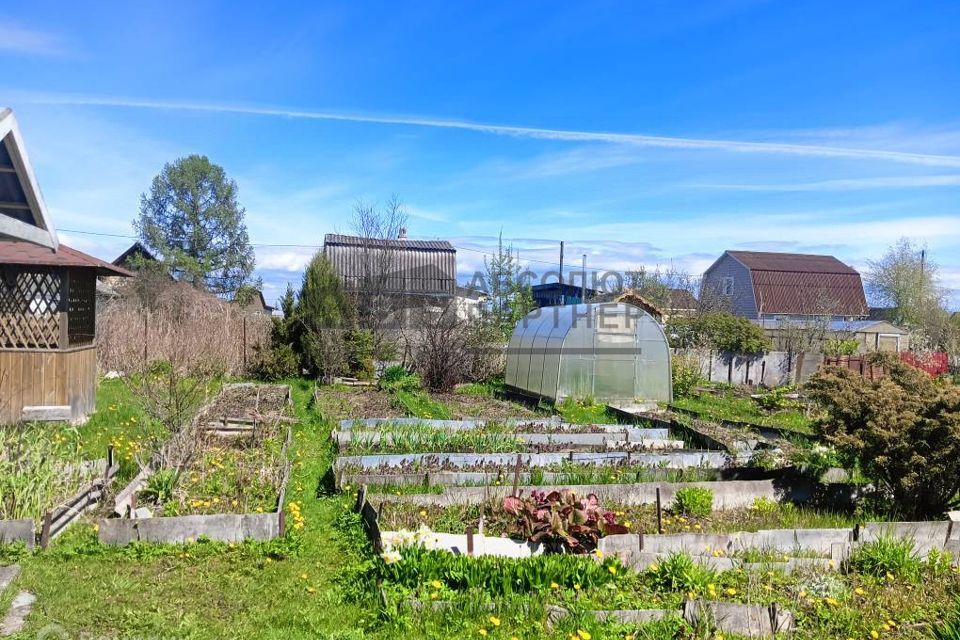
x=636 y=139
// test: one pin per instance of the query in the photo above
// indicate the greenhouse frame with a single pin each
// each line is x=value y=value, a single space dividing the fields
x=614 y=353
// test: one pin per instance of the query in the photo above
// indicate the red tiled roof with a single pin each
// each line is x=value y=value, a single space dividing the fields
x=27 y=253
x=803 y=284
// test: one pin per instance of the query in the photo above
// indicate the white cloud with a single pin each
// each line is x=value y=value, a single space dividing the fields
x=569 y=135
x=289 y=259
x=850 y=184
x=18 y=39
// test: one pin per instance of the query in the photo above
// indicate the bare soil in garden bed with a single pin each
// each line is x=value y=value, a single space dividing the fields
x=355 y=403
x=249 y=402
x=491 y=408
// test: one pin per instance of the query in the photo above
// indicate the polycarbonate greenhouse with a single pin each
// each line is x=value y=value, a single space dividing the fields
x=612 y=352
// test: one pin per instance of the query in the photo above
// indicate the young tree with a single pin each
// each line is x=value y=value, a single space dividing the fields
x=510 y=294
x=192 y=220
x=325 y=314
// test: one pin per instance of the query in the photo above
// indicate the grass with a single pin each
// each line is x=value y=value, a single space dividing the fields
x=297 y=588
x=730 y=406
x=585 y=411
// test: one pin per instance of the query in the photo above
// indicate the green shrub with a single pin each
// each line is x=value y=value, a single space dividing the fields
x=776 y=399
x=686 y=374
x=837 y=347
x=277 y=362
x=720 y=331
x=903 y=430
x=396 y=378
x=160 y=486
x=816 y=460
x=693 y=501
x=765 y=506
x=360 y=353
x=678 y=572
x=886 y=555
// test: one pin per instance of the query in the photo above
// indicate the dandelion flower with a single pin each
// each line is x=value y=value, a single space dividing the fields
x=731 y=591
x=554 y=586
x=436 y=584
x=874 y=634
x=483 y=632
x=612 y=569
x=495 y=621
x=583 y=634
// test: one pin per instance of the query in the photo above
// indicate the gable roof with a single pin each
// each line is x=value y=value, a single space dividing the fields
x=23 y=214
x=793 y=262
x=27 y=253
x=136 y=249
x=803 y=284
x=336 y=239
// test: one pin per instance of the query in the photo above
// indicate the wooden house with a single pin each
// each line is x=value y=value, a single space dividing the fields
x=48 y=362
x=416 y=270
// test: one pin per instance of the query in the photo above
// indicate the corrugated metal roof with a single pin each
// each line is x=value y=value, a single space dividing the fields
x=417 y=245
x=799 y=293
x=26 y=253
x=797 y=262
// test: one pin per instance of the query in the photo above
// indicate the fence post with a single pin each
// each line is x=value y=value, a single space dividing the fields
x=470 y=541
x=659 y=513
x=516 y=477
x=145 y=336
x=45 y=529
x=244 y=345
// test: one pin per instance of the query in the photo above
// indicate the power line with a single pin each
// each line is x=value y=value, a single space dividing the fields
x=315 y=246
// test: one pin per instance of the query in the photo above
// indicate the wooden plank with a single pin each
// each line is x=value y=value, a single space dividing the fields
x=49 y=413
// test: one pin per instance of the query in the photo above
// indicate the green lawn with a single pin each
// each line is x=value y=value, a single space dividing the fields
x=729 y=406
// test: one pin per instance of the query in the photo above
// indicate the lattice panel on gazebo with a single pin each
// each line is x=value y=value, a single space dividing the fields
x=29 y=309
x=81 y=319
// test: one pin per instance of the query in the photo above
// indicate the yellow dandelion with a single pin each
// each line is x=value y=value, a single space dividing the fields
x=495 y=621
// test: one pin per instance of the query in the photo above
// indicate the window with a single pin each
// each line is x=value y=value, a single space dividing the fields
x=726 y=286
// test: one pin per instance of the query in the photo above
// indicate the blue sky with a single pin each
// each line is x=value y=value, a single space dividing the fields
x=641 y=133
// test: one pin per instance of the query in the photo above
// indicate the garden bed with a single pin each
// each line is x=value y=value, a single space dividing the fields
x=223 y=484
x=45 y=483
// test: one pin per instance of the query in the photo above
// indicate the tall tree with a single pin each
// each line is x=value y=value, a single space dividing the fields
x=192 y=220
x=907 y=280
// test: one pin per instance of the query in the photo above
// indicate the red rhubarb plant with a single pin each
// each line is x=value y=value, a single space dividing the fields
x=559 y=520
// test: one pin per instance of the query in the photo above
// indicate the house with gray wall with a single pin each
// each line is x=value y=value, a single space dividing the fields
x=785 y=286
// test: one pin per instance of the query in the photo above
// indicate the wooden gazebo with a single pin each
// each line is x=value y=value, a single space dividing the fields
x=48 y=363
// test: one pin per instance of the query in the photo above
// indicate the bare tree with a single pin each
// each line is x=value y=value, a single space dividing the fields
x=377 y=294
x=449 y=348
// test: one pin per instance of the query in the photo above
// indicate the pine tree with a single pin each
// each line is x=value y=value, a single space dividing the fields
x=191 y=219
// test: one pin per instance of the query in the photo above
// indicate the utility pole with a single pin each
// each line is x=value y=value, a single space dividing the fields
x=583 y=288
x=563 y=298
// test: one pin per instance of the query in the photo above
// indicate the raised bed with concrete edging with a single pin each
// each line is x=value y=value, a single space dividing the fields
x=727 y=494
x=672 y=460
x=181 y=529
x=649 y=439
x=14 y=531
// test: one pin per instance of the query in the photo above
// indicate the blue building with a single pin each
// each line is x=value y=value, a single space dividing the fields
x=554 y=294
